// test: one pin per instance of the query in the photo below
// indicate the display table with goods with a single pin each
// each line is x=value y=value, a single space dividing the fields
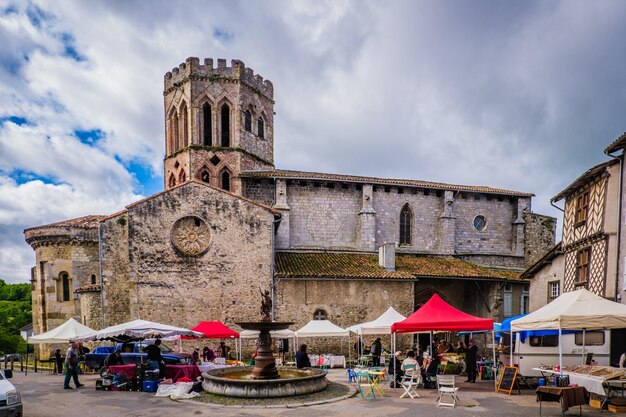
x=175 y=372
x=566 y=396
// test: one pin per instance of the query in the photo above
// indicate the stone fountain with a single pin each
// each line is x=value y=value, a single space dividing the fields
x=264 y=380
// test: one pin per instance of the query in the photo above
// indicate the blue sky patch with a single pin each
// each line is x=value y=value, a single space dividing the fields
x=14 y=119
x=89 y=137
x=36 y=16
x=70 y=49
x=147 y=182
x=223 y=35
x=22 y=177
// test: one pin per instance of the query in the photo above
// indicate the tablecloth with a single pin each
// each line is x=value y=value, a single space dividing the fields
x=334 y=360
x=591 y=383
x=208 y=367
x=567 y=396
x=129 y=371
x=178 y=371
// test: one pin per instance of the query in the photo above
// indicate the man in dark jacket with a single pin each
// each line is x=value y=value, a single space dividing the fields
x=470 y=360
x=154 y=357
x=376 y=350
x=114 y=358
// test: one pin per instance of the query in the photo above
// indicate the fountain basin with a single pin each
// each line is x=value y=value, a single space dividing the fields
x=239 y=382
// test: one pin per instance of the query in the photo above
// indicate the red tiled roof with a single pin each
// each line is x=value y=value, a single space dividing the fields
x=85 y=222
x=280 y=173
x=365 y=266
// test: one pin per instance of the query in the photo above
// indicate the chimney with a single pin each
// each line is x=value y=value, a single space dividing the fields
x=387 y=256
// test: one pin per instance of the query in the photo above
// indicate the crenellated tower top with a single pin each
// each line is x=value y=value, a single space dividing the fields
x=219 y=121
x=191 y=69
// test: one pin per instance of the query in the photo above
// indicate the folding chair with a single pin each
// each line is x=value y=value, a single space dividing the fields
x=410 y=380
x=351 y=376
x=446 y=388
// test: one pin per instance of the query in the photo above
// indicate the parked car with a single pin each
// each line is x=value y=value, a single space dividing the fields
x=10 y=400
x=11 y=357
x=132 y=352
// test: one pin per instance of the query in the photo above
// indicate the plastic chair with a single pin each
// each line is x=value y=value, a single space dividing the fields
x=352 y=377
x=446 y=388
x=410 y=380
x=323 y=362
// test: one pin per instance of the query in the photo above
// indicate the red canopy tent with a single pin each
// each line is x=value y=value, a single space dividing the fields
x=214 y=330
x=436 y=314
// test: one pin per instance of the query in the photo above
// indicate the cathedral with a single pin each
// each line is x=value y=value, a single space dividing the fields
x=325 y=245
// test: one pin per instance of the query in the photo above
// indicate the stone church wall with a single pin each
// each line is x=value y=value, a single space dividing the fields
x=116 y=270
x=539 y=231
x=388 y=203
x=219 y=284
x=323 y=217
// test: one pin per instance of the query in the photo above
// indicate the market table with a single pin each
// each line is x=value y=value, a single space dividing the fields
x=567 y=396
x=129 y=371
x=175 y=372
x=333 y=360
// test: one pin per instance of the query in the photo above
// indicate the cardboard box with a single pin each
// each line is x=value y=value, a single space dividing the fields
x=617 y=408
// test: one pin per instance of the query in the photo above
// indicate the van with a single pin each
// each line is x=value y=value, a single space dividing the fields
x=10 y=400
x=543 y=351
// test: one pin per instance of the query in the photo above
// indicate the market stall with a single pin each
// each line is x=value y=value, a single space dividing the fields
x=381 y=325
x=322 y=328
x=436 y=314
x=215 y=330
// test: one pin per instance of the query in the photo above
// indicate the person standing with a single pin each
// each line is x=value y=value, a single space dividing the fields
x=470 y=360
x=195 y=356
x=114 y=358
x=302 y=358
x=376 y=350
x=71 y=367
x=154 y=357
x=58 y=360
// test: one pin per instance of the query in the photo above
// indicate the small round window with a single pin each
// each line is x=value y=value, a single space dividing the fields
x=480 y=223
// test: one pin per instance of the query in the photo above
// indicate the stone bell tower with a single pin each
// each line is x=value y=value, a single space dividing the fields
x=219 y=121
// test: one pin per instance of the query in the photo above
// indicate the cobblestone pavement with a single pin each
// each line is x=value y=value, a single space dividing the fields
x=43 y=396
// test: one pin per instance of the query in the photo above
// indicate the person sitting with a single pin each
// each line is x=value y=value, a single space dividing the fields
x=114 y=358
x=395 y=367
x=302 y=358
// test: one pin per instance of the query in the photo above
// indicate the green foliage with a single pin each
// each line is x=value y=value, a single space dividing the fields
x=9 y=343
x=14 y=315
x=14 y=292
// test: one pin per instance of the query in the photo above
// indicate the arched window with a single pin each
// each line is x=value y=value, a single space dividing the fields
x=226 y=180
x=172 y=181
x=207 y=121
x=93 y=279
x=175 y=133
x=185 y=125
x=260 y=127
x=225 y=119
x=406 y=221
x=65 y=278
x=247 y=121
x=204 y=175
x=320 y=314
x=182 y=177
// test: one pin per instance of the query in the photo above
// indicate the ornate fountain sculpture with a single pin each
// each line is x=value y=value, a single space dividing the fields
x=264 y=380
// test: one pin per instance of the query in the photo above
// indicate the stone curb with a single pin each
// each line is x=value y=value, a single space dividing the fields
x=352 y=392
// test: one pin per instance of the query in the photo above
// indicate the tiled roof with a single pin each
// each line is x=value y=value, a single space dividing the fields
x=88 y=288
x=580 y=181
x=85 y=222
x=280 y=173
x=365 y=266
x=617 y=144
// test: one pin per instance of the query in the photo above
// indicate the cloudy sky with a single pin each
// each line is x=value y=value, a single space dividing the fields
x=521 y=95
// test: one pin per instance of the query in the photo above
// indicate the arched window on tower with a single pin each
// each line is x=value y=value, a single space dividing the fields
x=175 y=133
x=207 y=125
x=247 y=121
x=65 y=282
x=406 y=221
x=184 y=118
x=260 y=126
x=225 y=121
x=172 y=181
x=225 y=177
x=182 y=177
x=204 y=176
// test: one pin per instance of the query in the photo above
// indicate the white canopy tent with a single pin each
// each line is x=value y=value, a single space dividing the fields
x=574 y=310
x=323 y=328
x=382 y=325
x=137 y=330
x=61 y=334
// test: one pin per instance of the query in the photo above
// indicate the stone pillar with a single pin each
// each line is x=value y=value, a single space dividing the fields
x=387 y=256
x=518 y=227
x=447 y=237
x=283 y=240
x=366 y=233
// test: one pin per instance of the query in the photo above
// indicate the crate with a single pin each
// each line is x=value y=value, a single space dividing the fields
x=595 y=404
x=150 y=386
x=617 y=408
